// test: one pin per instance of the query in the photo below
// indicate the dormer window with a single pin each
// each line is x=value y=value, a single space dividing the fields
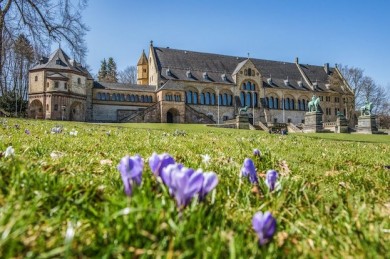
x=315 y=85
x=58 y=61
x=66 y=85
x=168 y=72
x=223 y=77
x=188 y=74
x=286 y=82
x=269 y=81
x=56 y=84
x=205 y=76
x=300 y=83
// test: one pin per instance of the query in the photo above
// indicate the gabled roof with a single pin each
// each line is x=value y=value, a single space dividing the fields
x=284 y=74
x=239 y=66
x=59 y=60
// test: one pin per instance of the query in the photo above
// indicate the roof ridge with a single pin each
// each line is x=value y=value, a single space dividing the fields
x=223 y=55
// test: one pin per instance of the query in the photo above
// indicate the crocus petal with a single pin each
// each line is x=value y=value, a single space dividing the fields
x=264 y=225
x=154 y=162
x=209 y=183
x=249 y=170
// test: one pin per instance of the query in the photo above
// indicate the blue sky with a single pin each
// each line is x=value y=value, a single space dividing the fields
x=354 y=33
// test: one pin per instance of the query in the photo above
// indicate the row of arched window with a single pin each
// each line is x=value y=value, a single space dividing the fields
x=209 y=98
x=124 y=98
x=248 y=86
x=248 y=99
x=171 y=98
x=286 y=104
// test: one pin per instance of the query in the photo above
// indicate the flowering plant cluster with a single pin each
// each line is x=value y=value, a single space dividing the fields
x=264 y=224
x=183 y=183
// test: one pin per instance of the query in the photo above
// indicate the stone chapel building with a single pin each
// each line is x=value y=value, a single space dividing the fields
x=181 y=86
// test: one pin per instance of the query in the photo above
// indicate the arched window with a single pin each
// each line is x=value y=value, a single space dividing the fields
x=113 y=97
x=255 y=99
x=230 y=100
x=243 y=86
x=99 y=96
x=292 y=104
x=303 y=105
x=213 y=99
x=207 y=98
x=287 y=102
x=122 y=97
x=225 y=99
x=248 y=99
x=242 y=99
x=202 y=98
x=248 y=86
x=266 y=102
x=142 y=99
x=276 y=103
x=137 y=98
x=271 y=103
x=220 y=99
x=189 y=97
x=195 y=98
x=249 y=72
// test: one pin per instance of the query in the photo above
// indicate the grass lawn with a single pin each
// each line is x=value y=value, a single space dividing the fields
x=62 y=196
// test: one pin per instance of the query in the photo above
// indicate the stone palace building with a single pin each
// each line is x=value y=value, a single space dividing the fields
x=181 y=86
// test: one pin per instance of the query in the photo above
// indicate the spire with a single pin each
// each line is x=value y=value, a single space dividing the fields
x=143 y=60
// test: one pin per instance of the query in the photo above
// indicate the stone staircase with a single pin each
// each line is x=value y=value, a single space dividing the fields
x=150 y=114
x=263 y=126
x=291 y=127
x=197 y=117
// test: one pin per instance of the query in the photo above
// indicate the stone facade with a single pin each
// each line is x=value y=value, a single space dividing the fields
x=187 y=87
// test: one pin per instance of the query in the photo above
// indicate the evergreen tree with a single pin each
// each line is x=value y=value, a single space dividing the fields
x=103 y=71
x=112 y=74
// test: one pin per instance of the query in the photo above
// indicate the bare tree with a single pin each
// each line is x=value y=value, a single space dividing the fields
x=42 y=21
x=128 y=75
x=364 y=88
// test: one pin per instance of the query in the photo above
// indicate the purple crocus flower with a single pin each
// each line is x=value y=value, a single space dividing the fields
x=184 y=183
x=271 y=179
x=27 y=131
x=210 y=180
x=256 y=152
x=158 y=162
x=249 y=170
x=264 y=225
x=131 y=172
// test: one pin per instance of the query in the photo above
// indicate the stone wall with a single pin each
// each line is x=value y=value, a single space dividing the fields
x=109 y=112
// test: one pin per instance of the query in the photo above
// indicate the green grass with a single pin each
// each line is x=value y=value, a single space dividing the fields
x=334 y=200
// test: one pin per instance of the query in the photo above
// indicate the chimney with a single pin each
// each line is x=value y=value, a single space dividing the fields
x=296 y=60
x=326 y=67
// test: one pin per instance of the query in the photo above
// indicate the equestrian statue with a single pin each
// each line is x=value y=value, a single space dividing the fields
x=366 y=109
x=243 y=110
x=314 y=104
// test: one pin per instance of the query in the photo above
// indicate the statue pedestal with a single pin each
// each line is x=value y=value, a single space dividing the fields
x=242 y=121
x=367 y=125
x=313 y=122
x=341 y=125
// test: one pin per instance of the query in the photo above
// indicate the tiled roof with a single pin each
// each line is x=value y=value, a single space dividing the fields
x=123 y=86
x=60 y=61
x=190 y=66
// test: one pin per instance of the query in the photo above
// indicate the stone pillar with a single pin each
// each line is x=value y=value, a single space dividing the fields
x=242 y=121
x=313 y=122
x=341 y=124
x=367 y=124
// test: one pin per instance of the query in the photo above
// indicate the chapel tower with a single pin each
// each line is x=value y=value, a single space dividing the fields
x=142 y=70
